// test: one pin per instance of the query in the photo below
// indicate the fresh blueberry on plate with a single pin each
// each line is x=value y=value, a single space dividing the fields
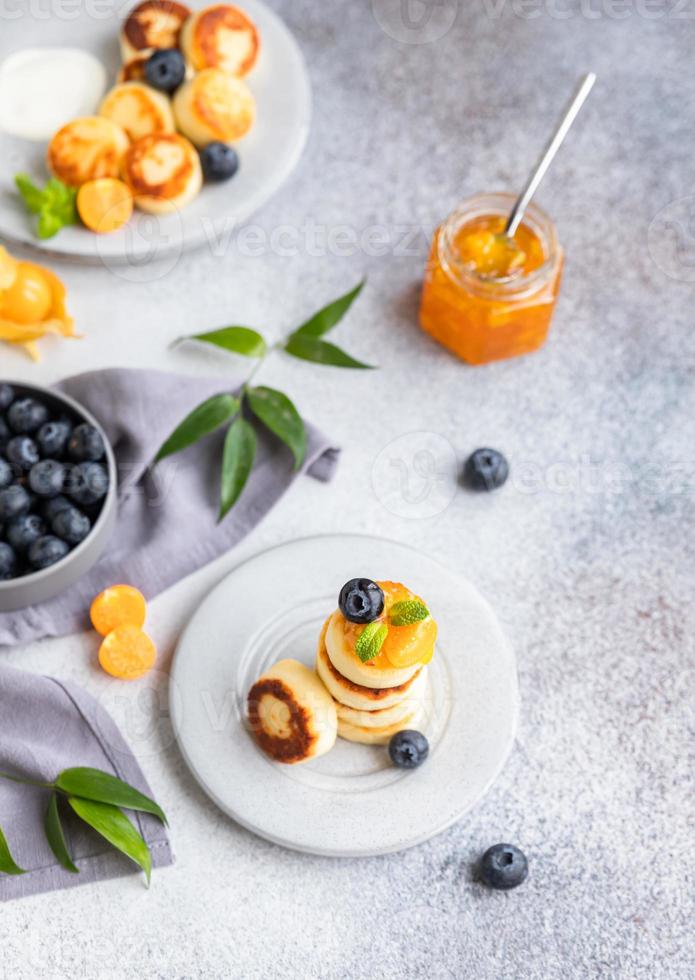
x=47 y=551
x=503 y=866
x=71 y=525
x=6 y=396
x=8 y=561
x=14 y=501
x=21 y=532
x=85 y=483
x=47 y=477
x=85 y=444
x=52 y=438
x=408 y=749
x=6 y=474
x=486 y=469
x=22 y=452
x=165 y=70
x=219 y=161
x=361 y=600
x=26 y=415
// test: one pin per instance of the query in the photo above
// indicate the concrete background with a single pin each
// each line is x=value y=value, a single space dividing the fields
x=587 y=554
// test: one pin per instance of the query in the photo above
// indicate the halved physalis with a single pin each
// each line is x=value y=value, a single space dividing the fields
x=104 y=205
x=119 y=605
x=412 y=643
x=32 y=304
x=127 y=653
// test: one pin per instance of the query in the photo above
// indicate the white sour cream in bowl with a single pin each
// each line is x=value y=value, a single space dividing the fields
x=41 y=89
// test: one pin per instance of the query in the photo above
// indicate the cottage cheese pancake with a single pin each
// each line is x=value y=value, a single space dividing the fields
x=214 y=106
x=163 y=172
x=138 y=109
x=152 y=25
x=221 y=36
x=86 y=149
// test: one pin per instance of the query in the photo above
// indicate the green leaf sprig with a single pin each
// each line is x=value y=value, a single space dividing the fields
x=371 y=639
x=54 y=204
x=267 y=406
x=97 y=798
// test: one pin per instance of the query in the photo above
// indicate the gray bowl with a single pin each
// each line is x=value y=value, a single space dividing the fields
x=29 y=590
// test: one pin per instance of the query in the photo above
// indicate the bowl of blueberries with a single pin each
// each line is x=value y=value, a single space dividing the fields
x=57 y=493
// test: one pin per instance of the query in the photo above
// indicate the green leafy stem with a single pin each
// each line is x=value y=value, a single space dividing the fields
x=96 y=797
x=271 y=408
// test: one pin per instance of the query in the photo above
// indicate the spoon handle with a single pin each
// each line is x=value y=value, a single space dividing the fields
x=551 y=148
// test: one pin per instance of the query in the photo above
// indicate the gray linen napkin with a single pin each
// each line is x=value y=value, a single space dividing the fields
x=46 y=726
x=167 y=518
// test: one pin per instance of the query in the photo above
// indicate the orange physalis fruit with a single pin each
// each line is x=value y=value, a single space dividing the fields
x=119 y=605
x=104 y=205
x=127 y=652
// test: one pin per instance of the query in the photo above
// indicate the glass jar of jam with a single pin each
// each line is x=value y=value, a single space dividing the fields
x=486 y=296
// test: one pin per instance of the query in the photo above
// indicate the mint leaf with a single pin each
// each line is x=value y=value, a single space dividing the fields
x=49 y=224
x=93 y=784
x=276 y=411
x=7 y=862
x=238 y=340
x=114 y=827
x=327 y=317
x=371 y=640
x=56 y=837
x=207 y=417
x=407 y=612
x=321 y=352
x=237 y=462
x=32 y=195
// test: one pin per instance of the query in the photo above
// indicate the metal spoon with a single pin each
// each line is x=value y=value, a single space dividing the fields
x=546 y=158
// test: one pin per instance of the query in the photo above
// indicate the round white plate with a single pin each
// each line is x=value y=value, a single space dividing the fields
x=268 y=154
x=352 y=802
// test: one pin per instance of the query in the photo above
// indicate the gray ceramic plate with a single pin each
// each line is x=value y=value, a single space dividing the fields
x=269 y=154
x=351 y=802
x=20 y=593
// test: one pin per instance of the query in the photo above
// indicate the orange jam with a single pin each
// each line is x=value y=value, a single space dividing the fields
x=487 y=296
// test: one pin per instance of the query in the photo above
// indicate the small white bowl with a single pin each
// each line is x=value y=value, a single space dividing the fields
x=36 y=587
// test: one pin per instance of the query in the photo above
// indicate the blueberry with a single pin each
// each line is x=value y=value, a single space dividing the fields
x=85 y=483
x=503 y=866
x=22 y=452
x=47 y=478
x=8 y=561
x=408 y=749
x=6 y=475
x=219 y=161
x=27 y=415
x=71 y=525
x=21 y=532
x=52 y=438
x=47 y=551
x=486 y=469
x=165 y=69
x=85 y=444
x=53 y=506
x=6 y=396
x=361 y=600
x=5 y=433
x=14 y=501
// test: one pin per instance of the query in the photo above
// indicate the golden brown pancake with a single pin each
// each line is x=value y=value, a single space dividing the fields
x=163 y=172
x=214 y=106
x=86 y=149
x=223 y=37
x=138 y=109
x=357 y=695
x=151 y=25
x=291 y=714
